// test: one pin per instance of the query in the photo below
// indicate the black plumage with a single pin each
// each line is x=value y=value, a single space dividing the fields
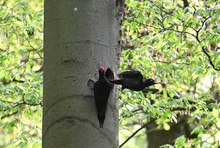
x=133 y=80
x=102 y=89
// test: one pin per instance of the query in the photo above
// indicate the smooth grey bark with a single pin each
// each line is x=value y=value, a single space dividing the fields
x=79 y=36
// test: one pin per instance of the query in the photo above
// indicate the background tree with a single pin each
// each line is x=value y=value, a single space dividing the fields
x=178 y=44
x=79 y=36
x=21 y=57
x=175 y=42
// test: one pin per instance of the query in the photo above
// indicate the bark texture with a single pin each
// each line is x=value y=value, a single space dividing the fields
x=79 y=36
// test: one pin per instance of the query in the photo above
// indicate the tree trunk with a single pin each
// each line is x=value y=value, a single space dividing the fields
x=79 y=36
x=157 y=137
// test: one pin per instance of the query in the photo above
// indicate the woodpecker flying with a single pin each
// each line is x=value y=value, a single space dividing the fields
x=133 y=80
x=102 y=89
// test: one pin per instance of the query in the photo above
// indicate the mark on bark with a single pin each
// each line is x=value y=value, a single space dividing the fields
x=71 y=121
x=119 y=9
x=70 y=77
x=84 y=42
x=68 y=61
x=58 y=101
x=90 y=83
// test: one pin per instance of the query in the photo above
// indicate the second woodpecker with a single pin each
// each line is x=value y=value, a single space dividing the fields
x=133 y=80
x=102 y=89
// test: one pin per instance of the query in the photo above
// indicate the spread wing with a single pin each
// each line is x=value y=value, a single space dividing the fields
x=131 y=74
x=109 y=74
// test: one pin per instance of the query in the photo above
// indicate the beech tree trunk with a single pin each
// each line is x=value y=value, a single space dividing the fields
x=79 y=36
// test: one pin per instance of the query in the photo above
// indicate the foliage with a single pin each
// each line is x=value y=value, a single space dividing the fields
x=21 y=27
x=174 y=42
x=178 y=44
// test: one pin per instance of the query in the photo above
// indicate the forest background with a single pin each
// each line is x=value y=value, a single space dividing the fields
x=174 y=42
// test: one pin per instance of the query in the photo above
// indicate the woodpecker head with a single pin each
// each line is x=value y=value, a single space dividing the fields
x=150 y=82
x=101 y=70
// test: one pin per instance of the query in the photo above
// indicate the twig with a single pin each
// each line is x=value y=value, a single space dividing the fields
x=204 y=49
x=170 y=62
x=9 y=115
x=144 y=126
x=33 y=48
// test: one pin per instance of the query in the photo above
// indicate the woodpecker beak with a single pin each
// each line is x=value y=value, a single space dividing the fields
x=157 y=83
x=162 y=84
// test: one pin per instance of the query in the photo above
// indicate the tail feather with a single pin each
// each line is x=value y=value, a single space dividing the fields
x=101 y=125
x=101 y=119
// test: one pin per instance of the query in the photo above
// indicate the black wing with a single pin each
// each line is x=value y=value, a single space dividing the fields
x=109 y=74
x=131 y=74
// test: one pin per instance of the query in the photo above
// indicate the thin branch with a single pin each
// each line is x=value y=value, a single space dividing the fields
x=9 y=115
x=169 y=62
x=23 y=102
x=210 y=59
x=216 y=125
x=17 y=104
x=171 y=29
x=185 y=3
x=33 y=48
x=162 y=9
x=204 y=49
x=203 y=23
x=142 y=127
x=26 y=103
x=13 y=80
x=180 y=31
